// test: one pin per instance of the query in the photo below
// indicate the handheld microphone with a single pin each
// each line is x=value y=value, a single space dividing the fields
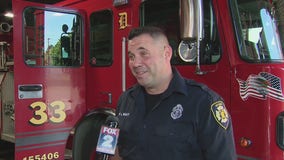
x=108 y=137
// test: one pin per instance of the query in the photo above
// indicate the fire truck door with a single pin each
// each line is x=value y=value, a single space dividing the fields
x=49 y=78
x=108 y=65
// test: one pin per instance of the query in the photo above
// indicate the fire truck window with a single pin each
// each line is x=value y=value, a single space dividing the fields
x=259 y=29
x=168 y=19
x=52 y=38
x=101 y=44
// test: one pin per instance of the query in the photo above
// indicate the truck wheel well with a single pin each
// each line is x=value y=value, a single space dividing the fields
x=86 y=136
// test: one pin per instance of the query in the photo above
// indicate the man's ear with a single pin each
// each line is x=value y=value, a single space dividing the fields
x=168 y=52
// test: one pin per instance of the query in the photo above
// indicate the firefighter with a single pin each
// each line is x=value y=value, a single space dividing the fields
x=165 y=116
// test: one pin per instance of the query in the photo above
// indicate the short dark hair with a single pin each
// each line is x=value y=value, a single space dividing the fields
x=151 y=30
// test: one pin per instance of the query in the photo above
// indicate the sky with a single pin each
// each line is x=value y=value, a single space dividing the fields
x=53 y=26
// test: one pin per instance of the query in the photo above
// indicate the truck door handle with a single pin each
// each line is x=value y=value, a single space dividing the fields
x=28 y=91
x=30 y=88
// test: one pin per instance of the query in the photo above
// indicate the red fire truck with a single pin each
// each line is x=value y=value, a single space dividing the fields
x=63 y=66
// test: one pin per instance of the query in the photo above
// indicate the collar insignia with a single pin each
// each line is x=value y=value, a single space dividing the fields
x=220 y=114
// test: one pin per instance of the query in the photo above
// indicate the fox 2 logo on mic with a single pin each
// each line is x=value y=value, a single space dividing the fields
x=107 y=140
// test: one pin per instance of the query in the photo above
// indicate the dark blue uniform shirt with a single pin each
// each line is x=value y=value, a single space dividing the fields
x=189 y=122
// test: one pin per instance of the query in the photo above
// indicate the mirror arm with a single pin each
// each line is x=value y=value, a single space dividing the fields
x=199 y=24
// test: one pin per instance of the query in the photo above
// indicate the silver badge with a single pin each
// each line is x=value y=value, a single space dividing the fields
x=177 y=111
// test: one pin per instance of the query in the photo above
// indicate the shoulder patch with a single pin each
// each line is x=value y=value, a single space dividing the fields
x=220 y=114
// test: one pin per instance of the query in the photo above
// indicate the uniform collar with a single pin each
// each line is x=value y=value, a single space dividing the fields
x=177 y=84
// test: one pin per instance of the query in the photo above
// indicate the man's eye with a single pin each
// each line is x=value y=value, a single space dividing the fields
x=144 y=53
x=131 y=57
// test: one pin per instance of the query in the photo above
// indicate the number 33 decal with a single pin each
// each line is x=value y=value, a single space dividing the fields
x=56 y=108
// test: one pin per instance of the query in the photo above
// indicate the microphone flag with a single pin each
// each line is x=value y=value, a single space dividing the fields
x=107 y=140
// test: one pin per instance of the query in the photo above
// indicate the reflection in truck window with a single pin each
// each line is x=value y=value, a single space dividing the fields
x=259 y=29
x=46 y=44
